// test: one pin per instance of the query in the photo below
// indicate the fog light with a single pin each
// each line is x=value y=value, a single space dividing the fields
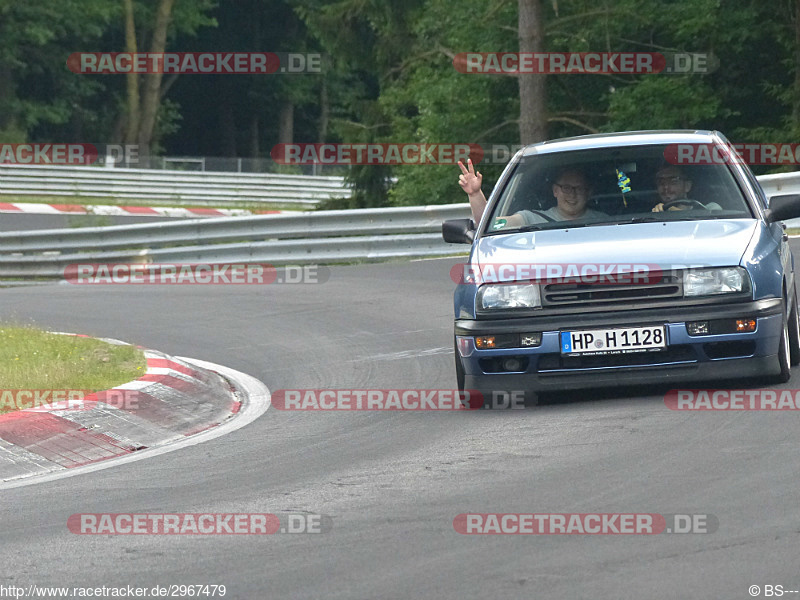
x=745 y=325
x=512 y=364
x=698 y=328
x=531 y=339
x=485 y=342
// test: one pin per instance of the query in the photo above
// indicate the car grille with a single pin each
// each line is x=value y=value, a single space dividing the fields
x=588 y=294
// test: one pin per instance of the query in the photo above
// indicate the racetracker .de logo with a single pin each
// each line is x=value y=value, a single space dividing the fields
x=375 y=154
x=583 y=523
x=574 y=63
x=719 y=154
x=192 y=274
x=40 y=400
x=26 y=399
x=557 y=273
x=48 y=154
x=733 y=400
x=197 y=523
x=194 y=63
x=327 y=400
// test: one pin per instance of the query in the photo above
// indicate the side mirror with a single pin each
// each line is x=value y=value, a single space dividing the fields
x=783 y=207
x=459 y=231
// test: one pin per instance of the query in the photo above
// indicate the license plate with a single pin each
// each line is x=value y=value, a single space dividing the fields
x=613 y=341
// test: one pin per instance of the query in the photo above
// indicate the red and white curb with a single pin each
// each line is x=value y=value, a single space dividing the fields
x=176 y=401
x=130 y=211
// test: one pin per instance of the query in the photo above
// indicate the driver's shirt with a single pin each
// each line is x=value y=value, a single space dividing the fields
x=532 y=218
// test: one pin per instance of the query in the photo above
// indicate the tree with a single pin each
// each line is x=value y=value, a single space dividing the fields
x=532 y=87
x=145 y=92
x=39 y=97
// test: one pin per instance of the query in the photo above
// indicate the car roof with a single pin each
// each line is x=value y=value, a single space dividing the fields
x=625 y=138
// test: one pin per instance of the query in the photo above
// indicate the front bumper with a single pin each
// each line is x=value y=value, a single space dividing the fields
x=686 y=358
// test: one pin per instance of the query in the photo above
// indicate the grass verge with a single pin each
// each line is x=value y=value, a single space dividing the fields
x=31 y=359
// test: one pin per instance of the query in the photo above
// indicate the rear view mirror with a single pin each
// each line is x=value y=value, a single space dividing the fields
x=783 y=207
x=458 y=231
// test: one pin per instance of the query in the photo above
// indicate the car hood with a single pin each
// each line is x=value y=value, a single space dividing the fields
x=719 y=242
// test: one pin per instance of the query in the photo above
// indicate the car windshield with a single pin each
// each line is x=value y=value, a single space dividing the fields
x=613 y=186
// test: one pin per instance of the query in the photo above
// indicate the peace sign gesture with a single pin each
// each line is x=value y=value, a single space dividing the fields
x=469 y=180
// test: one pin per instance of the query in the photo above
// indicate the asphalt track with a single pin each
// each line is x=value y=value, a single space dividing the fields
x=392 y=482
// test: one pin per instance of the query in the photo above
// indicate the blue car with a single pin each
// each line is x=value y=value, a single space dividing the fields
x=627 y=258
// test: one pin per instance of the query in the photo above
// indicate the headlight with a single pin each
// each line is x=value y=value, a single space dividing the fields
x=504 y=295
x=708 y=282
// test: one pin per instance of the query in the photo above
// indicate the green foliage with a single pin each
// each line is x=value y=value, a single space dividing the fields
x=36 y=37
x=663 y=102
x=389 y=77
x=40 y=99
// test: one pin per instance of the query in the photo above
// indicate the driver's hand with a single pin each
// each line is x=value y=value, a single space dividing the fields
x=660 y=207
x=469 y=180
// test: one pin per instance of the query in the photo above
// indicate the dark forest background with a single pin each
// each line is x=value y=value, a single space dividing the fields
x=388 y=76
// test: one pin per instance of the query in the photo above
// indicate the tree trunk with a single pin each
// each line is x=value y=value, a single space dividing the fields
x=151 y=95
x=325 y=110
x=227 y=125
x=286 y=124
x=255 y=145
x=8 y=119
x=132 y=79
x=532 y=87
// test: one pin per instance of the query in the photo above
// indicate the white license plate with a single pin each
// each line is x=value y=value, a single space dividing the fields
x=617 y=340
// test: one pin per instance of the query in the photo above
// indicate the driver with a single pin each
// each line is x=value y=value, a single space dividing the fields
x=673 y=185
x=571 y=191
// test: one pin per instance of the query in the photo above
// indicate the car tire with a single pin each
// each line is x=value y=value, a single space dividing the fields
x=794 y=332
x=784 y=353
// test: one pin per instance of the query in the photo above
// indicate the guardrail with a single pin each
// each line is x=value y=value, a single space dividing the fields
x=782 y=183
x=306 y=238
x=173 y=187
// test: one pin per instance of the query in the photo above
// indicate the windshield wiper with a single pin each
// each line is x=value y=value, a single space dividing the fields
x=643 y=219
x=531 y=227
x=543 y=227
x=522 y=229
